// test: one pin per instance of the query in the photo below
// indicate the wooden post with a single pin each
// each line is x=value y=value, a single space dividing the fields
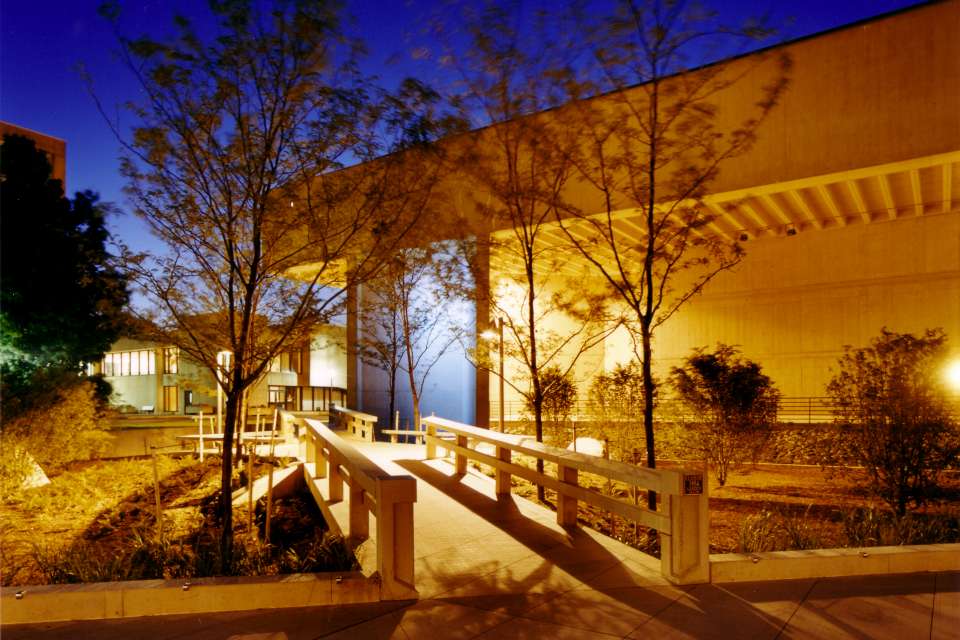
x=200 y=422
x=431 y=443
x=503 y=477
x=319 y=459
x=566 y=506
x=156 y=493
x=335 y=482
x=395 y=543
x=359 y=516
x=461 y=459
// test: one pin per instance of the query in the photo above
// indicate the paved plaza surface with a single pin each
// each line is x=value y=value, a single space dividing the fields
x=505 y=569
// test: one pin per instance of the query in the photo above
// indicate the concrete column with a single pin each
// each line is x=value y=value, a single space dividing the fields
x=482 y=309
x=158 y=404
x=354 y=371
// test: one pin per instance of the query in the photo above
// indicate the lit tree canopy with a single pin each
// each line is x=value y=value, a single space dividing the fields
x=261 y=158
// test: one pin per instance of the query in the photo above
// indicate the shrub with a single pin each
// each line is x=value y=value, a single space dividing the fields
x=618 y=402
x=734 y=403
x=780 y=530
x=145 y=556
x=70 y=427
x=758 y=532
x=559 y=398
x=871 y=527
x=893 y=415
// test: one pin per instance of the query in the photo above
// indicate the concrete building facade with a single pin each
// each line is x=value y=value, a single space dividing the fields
x=847 y=207
x=151 y=378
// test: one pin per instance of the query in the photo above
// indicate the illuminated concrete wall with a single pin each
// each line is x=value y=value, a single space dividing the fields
x=328 y=358
x=860 y=161
x=795 y=301
x=450 y=386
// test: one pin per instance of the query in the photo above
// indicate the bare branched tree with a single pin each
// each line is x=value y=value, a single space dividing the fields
x=521 y=167
x=411 y=314
x=650 y=149
x=237 y=163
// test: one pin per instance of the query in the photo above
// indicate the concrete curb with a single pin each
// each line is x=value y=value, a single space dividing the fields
x=135 y=598
x=833 y=563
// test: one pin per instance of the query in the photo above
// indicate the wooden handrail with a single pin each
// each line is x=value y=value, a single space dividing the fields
x=682 y=523
x=363 y=425
x=369 y=417
x=388 y=497
x=660 y=480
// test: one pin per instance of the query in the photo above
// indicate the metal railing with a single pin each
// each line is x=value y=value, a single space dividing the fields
x=791 y=409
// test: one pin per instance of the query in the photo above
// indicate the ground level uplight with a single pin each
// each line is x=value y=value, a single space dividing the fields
x=953 y=375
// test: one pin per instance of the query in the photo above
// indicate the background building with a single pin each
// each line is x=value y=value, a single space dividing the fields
x=151 y=378
x=847 y=207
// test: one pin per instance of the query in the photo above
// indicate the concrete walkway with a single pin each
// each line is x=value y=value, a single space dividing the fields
x=506 y=570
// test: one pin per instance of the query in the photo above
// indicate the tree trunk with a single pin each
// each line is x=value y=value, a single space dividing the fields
x=648 y=408
x=538 y=426
x=411 y=361
x=226 y=475
x=241 y=427
x=534 y=368
x=646 y=318
x=393 y=395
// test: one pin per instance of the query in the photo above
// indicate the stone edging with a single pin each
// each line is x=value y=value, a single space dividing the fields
x=832 y=563
x=134 y=598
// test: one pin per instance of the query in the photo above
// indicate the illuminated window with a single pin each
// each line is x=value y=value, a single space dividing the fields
x=275 y=395
x=170 y=357
x=286 y=361
x=129 y=363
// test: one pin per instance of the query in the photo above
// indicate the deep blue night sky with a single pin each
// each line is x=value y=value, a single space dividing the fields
x=42 y=43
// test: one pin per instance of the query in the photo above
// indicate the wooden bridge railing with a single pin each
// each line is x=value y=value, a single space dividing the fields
x=362 y=425
x=682 y=520
x=370 y=489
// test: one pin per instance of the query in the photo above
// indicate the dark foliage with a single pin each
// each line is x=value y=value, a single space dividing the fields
x=734 y=405
x=61 y=294
x=894 y=416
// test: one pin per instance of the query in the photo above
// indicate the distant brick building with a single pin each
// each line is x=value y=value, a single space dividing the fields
x=55 y=148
